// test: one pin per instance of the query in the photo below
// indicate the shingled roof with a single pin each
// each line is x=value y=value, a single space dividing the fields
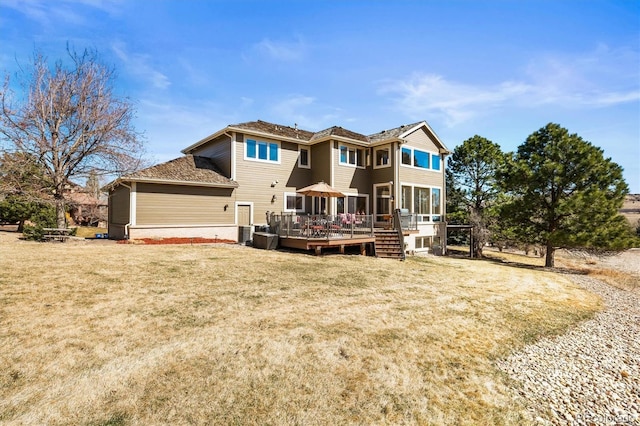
x=274 y=129
x=341 y=132
x=297 y=134
x=392 y=133
x=187 y=169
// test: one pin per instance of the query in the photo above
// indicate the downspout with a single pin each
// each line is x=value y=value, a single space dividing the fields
x=128 y=224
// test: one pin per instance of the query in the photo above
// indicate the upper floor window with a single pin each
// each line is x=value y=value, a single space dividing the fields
x=304 y=158
x=262 y=151
x=420 y=159
x=435 y=161
x=352 y=156
x=381 y=156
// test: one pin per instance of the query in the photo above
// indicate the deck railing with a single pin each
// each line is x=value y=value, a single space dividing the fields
x=313 y=226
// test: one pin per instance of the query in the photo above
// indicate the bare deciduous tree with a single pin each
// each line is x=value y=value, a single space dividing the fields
x=70 y=120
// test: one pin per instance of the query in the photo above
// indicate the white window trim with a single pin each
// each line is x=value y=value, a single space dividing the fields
x=375 y=195
x=284 y=202
x=347 y=164
x=411 y=166
x=308 y=149
x=375 y=157
x=431 y=188
x=258 y=160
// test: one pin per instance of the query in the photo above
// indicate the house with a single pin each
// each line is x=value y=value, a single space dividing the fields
x=242 y=173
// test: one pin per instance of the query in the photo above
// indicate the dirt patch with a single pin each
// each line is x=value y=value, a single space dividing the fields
x=194 y=240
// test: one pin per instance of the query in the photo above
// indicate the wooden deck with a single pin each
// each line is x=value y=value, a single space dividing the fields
x=317 y=244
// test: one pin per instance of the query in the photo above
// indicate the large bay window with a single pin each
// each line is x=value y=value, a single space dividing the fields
x=413 y=157
x=422 y=201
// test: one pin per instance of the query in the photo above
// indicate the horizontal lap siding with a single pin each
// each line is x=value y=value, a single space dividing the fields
x=220 y=151
x=119 y=205
x=255 y=178
x=321 y=163
x=383 y=174
x=183 y=205
x=350 y=178
x=422 y=140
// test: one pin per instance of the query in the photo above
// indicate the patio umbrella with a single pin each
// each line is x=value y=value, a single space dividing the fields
x=320 y=189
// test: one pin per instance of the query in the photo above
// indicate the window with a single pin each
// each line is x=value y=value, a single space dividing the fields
x=304 y=159
x=262 y=151
x=421 y=200
x=424 y=202
x=382 y=157
x=352 y=156
x=435 y=161
x=406 y=156
x=435 y=204
x=293 y=202
x=420 y=159
x=406 y=198
x=355 y=204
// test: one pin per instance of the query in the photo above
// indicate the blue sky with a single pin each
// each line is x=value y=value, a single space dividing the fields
x=499 y=69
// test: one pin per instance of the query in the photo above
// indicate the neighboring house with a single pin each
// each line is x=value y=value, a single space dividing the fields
x=85 y=209
x=238 y=175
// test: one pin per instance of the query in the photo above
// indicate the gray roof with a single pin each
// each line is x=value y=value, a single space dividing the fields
x=275 y=129
x=186 y=169
x=305 y=135
x=297 y=134
x=392 y=133
x=339 y=131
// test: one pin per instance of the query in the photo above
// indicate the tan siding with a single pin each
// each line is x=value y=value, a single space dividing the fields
x=183 y=205
x=350 y=178
x=421 y=139
x=383 y=174
x=423 y=177
x=255 y=179
x=119 y=205
x=220 y=151
x=321 y=163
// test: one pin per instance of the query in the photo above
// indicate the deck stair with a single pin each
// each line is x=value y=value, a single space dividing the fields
x=388 y=244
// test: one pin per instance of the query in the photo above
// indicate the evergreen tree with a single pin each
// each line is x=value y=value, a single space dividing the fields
x=472 y=174
x=564 y=194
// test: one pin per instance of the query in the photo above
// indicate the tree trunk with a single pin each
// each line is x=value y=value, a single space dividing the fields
x=61 y=219
x=549 y=260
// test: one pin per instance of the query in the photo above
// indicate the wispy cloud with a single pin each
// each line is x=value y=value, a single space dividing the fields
x=286 y=51
x=600 y=78
x=141 y=66
x=51 y=13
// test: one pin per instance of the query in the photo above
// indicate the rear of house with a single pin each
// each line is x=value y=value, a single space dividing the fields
x=239 y=175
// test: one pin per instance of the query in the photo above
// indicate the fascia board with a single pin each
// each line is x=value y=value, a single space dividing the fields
x=443 y=148
x=175 y=182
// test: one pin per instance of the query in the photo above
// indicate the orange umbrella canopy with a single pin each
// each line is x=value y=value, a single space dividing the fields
x=320 y=189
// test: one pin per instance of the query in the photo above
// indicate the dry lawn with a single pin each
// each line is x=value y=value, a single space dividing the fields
x=104 y=334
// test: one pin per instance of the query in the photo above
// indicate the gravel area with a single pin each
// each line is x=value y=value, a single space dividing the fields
x=589 y=376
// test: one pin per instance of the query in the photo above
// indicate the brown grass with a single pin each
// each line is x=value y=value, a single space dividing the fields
x=619 y=271
x=133 y=334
